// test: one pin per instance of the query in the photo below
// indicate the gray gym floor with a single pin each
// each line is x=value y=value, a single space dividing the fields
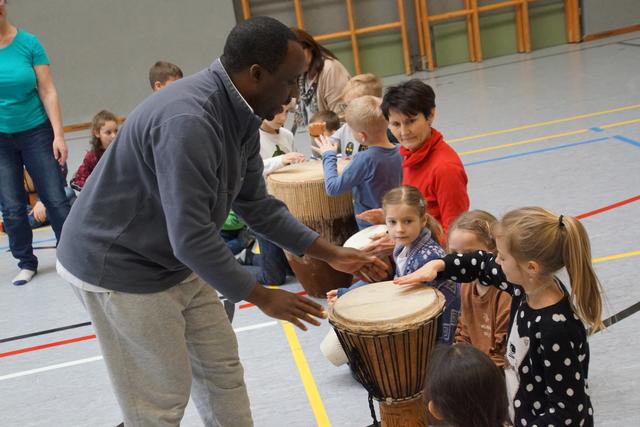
x=559 y=128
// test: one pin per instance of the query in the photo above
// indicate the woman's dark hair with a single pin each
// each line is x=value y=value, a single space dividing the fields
x=318 y=52
x=409 y=98
x=466 y=387
x=261 y=40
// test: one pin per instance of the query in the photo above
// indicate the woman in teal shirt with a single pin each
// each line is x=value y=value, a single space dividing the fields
x=31 y=136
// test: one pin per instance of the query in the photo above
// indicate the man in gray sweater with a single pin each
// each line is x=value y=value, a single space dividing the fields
x=142 y=247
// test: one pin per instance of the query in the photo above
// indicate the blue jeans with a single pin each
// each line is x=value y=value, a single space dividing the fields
x=234 y=240
x=31 y=149
x=272 y=264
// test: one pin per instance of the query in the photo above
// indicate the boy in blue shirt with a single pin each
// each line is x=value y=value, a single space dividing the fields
x=372 y=172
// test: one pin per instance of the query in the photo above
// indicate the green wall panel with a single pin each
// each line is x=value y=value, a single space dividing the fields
x=450 y=42
x=547 y=26
x=382 y=53
x=498 y=34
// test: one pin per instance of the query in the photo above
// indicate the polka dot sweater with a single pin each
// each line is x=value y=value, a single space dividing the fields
x=547 y=351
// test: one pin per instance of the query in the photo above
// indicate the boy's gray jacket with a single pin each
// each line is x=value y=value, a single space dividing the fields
x=152 y=210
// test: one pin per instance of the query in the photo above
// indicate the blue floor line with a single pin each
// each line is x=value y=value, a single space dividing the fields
x=628 y=140
x=3 y=248
x=529 y=153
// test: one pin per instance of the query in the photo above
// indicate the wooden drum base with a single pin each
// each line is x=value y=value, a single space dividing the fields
x=405 y=413
x=317 y=277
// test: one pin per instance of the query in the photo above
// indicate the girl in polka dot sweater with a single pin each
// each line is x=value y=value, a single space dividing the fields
x=547 y=350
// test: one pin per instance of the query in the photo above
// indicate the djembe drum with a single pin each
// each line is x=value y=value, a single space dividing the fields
x=301 y=188
x=330 y=346
x=388 y=332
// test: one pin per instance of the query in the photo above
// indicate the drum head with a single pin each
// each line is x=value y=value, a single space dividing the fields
x=304 y=172
x=384 y=307
x=362 y=238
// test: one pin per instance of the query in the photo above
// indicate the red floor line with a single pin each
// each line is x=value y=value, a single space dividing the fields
x=48 y=345
x=248 y=305
x=608 y=208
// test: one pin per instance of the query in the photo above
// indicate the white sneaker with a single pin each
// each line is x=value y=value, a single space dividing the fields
x=23 y=277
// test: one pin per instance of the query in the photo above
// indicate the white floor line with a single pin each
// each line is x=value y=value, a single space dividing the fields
x=50 y=368
x=96 y=358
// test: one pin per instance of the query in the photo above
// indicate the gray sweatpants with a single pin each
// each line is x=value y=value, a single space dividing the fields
x=155 y=344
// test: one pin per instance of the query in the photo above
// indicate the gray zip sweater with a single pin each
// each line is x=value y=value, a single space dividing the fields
x=151 y=211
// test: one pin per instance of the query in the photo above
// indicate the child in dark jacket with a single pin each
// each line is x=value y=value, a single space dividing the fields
x=417 y=236
x=104 y=128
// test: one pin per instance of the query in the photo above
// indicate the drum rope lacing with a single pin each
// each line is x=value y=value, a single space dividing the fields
x=356 y=366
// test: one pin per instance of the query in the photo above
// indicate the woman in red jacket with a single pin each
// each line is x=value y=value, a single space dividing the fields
x=429 y=163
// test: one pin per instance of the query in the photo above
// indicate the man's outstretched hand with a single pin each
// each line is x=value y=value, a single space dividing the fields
x=287 y=306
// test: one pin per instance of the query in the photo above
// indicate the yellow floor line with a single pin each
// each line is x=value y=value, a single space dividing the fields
x=551 y=122
x=544 y=138
x=612 y=125
x=616 y=256
x=305 y=374
x=525 y=141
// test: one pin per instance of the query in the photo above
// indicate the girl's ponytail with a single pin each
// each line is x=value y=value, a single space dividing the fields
x=586 y=290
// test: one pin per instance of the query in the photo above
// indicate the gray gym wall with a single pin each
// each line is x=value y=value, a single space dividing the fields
x=101 y=51
x=605 y=15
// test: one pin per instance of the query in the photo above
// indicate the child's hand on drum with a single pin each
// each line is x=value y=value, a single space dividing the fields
x=287 y=306
x=426 y=273
x=372 y=216
x=332 y=296
x=289 y=158
x=325 y=144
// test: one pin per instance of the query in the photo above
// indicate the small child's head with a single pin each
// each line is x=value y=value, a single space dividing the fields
x=162 y=73
x=465 y=388
x=534 y=243
x=361 y=85
x=331 y=123
x=365 y=118
x=279 y=119
x=471 y=231
x=406 y=215
x=410 y=109
x=104 y=128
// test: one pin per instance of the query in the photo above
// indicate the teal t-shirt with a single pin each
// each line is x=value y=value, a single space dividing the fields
x=20 y=105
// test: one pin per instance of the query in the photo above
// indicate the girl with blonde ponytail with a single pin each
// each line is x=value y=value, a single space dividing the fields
x=547 y=349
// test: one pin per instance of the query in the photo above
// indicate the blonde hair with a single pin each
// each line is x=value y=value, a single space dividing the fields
x=533 y=233
x=364 y=115
x=361 y=85
x=411 y=196
x=479 y=223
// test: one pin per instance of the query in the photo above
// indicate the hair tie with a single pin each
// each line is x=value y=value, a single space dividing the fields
x=560 y=223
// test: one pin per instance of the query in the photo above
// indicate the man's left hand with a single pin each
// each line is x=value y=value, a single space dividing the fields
x=358 y=263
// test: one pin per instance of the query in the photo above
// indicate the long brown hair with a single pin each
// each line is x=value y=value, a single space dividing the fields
x=410 y=195
x=97 y=122
x=478 y=222
x=318 y=52
x=533 y=233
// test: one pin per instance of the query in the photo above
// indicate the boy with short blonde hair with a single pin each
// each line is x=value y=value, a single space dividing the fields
x=362 y=85
x=372 y=172
x=358 y=86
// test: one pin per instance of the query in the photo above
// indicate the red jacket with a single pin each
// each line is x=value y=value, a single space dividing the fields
x=437 y=171
x=82 y=174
